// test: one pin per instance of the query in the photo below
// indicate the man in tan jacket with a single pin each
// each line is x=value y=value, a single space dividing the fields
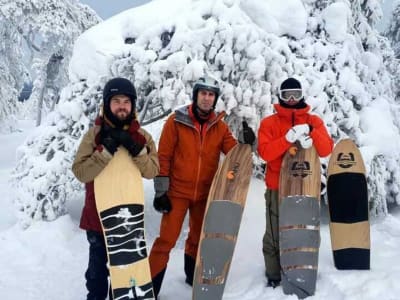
x=117 y=127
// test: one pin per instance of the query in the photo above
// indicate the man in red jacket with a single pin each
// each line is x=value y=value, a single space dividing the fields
x=292 y=122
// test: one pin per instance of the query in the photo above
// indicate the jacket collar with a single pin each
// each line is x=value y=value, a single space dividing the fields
x=288 y=112
x=185 y=115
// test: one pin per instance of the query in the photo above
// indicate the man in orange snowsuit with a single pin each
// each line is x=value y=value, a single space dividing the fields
x=291 y=123
x=189 y=149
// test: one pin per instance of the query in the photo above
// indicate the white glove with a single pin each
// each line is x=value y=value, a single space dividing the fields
x=306 y=141
x=296 y=132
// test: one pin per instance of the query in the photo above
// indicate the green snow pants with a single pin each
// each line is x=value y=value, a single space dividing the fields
x=271 y=236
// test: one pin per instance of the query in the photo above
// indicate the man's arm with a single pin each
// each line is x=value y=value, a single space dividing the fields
x=270 y=145
x=89 y=161
x=166 y=146
x=321 y=139
x=147 y=161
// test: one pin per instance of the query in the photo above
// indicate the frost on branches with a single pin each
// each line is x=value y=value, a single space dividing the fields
x=40 y=38
x=43 y=177
x=393 y=34
x=250 y=46
x=11 y=72
x=393 y=30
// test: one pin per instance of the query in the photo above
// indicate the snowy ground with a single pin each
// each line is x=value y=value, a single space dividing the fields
x=48 y=260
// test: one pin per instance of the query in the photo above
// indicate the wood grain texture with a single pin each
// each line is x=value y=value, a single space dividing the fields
x=348 y=206
x=355 y=235
x=120 y=182
x=119 y=274
x=300 y=174
x=346 y=158
x=232 y=179
x=228 y=190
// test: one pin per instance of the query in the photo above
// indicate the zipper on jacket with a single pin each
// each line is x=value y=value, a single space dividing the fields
x=198 y=162
x=201 y=151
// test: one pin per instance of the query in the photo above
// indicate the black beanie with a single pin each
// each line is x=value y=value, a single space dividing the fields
x=118 y=86
x=289 y=84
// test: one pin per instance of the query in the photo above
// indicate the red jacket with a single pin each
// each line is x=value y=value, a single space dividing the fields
x=272 y=144
x=189 y=155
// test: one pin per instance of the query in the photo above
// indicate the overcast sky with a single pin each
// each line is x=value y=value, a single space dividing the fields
x=107 y=8
x=387 y=10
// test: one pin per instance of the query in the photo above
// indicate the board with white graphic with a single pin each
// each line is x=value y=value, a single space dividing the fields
x=120 y=204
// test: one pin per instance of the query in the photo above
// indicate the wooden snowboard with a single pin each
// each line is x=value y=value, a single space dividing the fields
x=119 y=200
x=348 y=208
x=299 y=221
x=221 y=223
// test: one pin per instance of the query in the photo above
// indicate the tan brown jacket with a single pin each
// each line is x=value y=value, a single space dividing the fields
x=90 y=161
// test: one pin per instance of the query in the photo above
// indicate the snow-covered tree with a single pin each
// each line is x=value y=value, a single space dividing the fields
x=47 y=29
x=393 y=30
x=250 y=46
x=393 y=34
x=11 y=71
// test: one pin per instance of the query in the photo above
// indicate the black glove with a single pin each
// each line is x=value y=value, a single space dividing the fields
x=124 y=138
x=108 y=141
x=162 y=204
x=246 y=135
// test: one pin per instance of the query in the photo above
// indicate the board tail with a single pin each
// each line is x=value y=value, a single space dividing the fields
x=299 y=240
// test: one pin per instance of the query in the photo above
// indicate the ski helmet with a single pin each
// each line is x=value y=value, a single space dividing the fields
x=206 y=83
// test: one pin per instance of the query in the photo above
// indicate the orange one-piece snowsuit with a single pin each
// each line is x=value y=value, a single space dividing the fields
x=189 y=154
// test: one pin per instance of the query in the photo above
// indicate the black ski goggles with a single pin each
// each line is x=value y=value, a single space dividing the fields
x=286 y=95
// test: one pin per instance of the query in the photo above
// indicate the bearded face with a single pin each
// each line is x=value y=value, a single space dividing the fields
x=121 y=107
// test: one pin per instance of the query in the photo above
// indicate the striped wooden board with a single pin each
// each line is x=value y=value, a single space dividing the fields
x=299 y=221
x=348 y=207
x=119 y=200
x=221 y=223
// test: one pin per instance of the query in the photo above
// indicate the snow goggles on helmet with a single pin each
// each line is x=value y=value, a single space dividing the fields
x=296 y=94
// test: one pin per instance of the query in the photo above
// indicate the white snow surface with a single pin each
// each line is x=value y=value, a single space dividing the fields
x=47 y=261
x=335 y=17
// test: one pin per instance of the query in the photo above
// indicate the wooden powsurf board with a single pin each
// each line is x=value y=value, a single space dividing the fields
x=348 y=207
x=221 y=223
x=299 y=221
x=120 y=205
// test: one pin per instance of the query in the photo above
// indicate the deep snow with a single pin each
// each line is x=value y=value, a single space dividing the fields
x=48 y=260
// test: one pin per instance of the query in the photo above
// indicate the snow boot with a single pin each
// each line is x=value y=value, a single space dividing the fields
x=157 y=281
x=273 y=283
x=190 y=263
